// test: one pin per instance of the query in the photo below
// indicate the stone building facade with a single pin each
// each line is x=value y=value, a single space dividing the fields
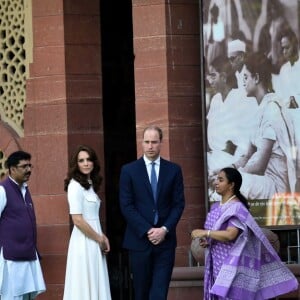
x=97 y=72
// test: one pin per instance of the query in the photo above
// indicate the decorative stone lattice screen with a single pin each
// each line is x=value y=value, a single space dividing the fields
x=14 y=15
x=15 y=56
x=2 y=168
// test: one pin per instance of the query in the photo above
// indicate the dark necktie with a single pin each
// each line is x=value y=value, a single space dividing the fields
x=153 y=180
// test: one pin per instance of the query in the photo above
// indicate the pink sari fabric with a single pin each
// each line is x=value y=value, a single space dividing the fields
x=248 y=268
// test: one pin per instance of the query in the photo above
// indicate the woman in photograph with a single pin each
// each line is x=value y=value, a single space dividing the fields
x=230 y=110
x=86 y=273
x=239 y=259
x=269 y=164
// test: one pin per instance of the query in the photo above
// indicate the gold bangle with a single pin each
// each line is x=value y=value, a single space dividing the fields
x=208 y=234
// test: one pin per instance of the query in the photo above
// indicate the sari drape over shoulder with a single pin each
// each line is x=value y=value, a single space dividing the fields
x=252 y=269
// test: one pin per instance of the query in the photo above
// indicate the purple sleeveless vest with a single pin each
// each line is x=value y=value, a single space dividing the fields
x=17 y=224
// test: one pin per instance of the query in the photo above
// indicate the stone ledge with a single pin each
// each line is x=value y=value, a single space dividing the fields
x=188 y=273
x=184 y=277
x=295 y=268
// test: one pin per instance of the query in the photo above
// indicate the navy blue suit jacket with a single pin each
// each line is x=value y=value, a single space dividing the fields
x=138 y=206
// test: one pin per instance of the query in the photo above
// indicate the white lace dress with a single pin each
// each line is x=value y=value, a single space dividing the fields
x=86 y=272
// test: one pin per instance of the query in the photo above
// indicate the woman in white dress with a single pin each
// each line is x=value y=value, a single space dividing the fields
x=86 y=272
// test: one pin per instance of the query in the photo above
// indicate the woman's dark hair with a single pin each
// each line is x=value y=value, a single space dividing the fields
x=233 y=175
x=74 y=172
x=259 y=65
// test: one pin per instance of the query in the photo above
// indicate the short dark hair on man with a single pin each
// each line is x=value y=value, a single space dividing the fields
x=214 y=10
x=156 y=128
x=222 y=65
x=15 y=157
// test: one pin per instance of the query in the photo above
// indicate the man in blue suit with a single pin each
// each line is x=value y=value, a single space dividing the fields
x=152 y=202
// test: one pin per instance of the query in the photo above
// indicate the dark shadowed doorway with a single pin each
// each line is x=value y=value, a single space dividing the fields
x=119 y=128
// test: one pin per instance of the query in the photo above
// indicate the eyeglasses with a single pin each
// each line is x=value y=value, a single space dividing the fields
x=232 y=58
x=26 y=166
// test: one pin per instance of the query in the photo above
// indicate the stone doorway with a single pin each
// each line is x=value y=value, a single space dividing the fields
x=119 y=128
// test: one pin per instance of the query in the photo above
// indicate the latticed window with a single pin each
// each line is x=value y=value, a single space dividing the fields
x=13 y=61
x=15 y=56
x=2 y=168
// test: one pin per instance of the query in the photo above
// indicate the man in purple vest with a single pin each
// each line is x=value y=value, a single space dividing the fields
x=21 y=276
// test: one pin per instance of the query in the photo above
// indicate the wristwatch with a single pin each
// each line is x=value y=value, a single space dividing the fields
x=165 y=229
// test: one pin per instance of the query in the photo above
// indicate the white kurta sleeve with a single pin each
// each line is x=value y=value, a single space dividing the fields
x=2 y=199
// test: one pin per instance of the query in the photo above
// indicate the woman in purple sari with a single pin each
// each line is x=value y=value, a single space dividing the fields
x=240 y=262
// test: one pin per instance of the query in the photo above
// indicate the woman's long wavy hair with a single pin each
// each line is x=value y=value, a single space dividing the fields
x=233 y=175
x=74 y=172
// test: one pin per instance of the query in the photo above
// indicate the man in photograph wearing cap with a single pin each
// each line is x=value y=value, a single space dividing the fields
x=236 y=54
